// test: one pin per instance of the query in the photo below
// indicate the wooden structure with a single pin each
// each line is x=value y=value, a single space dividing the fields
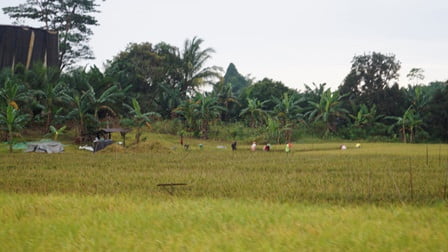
x=107 y=133
x=27 y=45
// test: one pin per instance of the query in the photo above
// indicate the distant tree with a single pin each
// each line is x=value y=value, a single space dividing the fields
x=188 y=109
x=370 y=73
x=265 y=90
x=328 y=110
x=140 y=69
x=408 y=123
x=72 y=19
x=436 y=113
x=226 y=98
x=288 y=112
x=370 y=80
x=193 y=70
x=416 y=76
x=254 y=112
x=208 y=111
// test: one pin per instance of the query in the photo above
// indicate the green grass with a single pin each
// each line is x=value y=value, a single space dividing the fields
x=377 y=197
x=124 y=222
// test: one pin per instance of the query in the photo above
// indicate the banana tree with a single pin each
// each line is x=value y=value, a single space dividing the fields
x=328 y=109
x=139 y=118
x=288 y=112
x=56 y=132
x=254 y=112
x=408 y=123
x=208 y=110
x=12 y=121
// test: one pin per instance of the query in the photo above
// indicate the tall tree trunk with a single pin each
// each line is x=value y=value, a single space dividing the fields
x=10 y=139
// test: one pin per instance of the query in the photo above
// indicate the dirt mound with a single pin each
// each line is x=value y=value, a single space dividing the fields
x=113 y=148
x=150 y=146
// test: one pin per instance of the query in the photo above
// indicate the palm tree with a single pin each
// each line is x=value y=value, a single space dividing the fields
x=12 y=121
x=254 y=111
x=194 y=72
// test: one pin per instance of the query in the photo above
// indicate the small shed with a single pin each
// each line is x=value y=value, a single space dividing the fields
x=106 y=133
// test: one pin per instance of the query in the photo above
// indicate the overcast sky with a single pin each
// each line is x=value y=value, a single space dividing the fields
x=293 y=41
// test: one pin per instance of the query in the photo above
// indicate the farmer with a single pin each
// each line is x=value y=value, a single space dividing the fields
x=234 y=146
x=253 y=147
x=288 y=147
x=267 y=147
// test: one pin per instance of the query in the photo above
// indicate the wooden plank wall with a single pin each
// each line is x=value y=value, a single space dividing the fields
x=27 y=45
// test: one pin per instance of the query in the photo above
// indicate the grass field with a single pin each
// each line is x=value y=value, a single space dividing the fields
x=318 y=197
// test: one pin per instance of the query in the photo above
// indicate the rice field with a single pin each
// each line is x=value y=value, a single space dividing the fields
x=317 y=197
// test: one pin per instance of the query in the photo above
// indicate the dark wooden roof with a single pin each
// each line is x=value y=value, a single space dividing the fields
x=112 y=130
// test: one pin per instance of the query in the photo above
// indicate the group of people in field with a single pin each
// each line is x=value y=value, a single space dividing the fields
x=266 y=147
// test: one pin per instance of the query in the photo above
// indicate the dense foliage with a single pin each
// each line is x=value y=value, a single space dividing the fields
x=147 y=83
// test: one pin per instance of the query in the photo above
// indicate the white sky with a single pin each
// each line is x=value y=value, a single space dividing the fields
x=293 y=41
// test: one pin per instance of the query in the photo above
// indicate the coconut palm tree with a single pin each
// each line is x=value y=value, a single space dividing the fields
x=193 y=70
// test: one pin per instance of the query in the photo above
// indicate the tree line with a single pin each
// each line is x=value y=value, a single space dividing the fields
x=159 y=82
x=147 y=83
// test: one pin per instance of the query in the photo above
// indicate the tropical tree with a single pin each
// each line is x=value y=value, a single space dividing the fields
x=208 y=110
x=416 y=76
x=226 y=98
x=254 y=112
x=193 y=71
x=288 y=112
x=365 y=117
x=12 y=91
x=48 y=92
x=12 y=121
x=408 y=123
x=188 y=109
x=328 y=110
x=80 y=106
x=140 y=119
x=103 y=100
x=142 y=69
